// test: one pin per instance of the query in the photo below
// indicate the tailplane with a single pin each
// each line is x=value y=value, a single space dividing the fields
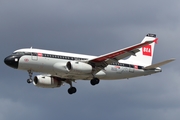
x=158 y=64
x=145 y=55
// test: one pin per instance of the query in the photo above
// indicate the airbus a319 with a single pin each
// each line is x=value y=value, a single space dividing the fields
x=58 y=68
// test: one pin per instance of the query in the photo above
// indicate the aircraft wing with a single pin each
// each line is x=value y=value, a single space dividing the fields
x=102 y=61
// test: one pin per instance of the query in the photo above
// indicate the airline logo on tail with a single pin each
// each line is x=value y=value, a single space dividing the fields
x=146 y=50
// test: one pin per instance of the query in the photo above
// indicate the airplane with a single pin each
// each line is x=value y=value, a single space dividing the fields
x=58 y=68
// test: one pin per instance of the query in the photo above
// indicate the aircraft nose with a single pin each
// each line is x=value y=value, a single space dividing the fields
x=12 y=61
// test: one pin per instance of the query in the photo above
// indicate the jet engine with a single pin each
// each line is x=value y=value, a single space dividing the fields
x=60 y=67
x=79 y=67
x=47 y=81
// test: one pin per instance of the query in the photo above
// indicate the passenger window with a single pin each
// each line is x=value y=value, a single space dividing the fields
x=132 y=66
x=121 y=64
x=126 y=65
x=140 y=67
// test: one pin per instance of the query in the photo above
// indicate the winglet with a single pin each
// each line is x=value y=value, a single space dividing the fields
x=158 y=64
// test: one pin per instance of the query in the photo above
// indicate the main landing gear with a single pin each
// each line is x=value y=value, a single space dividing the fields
x=30 y=80
x=94 y=81
x=72 y=89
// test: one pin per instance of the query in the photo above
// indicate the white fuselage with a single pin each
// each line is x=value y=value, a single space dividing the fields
x=62 y=67
x=45 y=61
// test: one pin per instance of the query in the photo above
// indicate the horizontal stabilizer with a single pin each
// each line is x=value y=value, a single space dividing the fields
x=158 y=64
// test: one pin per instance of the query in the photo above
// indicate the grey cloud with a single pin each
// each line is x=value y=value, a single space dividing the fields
x=16 y=110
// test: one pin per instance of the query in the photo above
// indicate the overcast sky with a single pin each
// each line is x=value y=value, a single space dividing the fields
x=92 y=27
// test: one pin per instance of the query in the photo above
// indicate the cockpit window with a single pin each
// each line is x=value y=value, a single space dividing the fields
x=18 y=53
x=27 y=53
x=21 y=53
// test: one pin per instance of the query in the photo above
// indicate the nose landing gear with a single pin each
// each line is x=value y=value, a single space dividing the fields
x=30 y=80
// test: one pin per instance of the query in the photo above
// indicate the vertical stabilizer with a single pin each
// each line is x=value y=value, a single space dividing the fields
x=145 y=55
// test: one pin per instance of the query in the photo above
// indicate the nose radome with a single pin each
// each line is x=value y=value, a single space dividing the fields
x=12 y=61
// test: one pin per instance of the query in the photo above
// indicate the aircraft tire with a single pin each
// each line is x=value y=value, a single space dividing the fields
x=94 y=81
x=72 y=90
x=29 y=81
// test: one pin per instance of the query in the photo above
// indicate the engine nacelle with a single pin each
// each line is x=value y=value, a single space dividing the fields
x=78 y=67
x=60 y=67
x=47 y=81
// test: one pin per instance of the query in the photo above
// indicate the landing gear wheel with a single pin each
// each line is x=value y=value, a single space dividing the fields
x=94 y=81
x=72 y=90
x=29 y=81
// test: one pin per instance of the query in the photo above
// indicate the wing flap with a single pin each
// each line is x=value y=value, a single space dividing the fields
x=126 y=54
x=158 y=64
